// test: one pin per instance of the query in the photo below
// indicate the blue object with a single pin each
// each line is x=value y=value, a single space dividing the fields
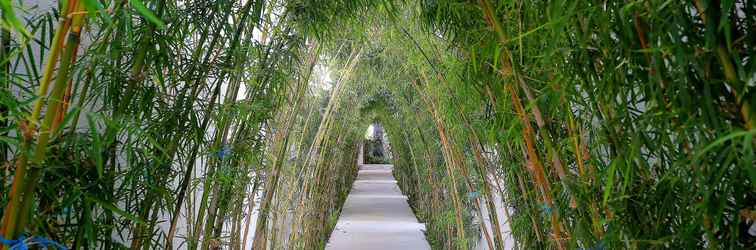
x=472 y=195
x=21 y=243
x=14 y=244
x=224 y=152
x=546 y=209
x=45 y=242
x=67 y=210
x=599 y=246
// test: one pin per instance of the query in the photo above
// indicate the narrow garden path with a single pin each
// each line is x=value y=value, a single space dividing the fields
x=376 y=215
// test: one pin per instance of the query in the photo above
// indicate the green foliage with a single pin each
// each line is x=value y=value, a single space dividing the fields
x=622 y=124
x=146 y=13
x=10 y=21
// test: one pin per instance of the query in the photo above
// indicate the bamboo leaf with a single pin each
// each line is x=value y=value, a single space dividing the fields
x=610 y=179
x=95 y=7
x=96 y=147
x=115 y=209
x=10 y=19
x=147 y=13
x=722 y=140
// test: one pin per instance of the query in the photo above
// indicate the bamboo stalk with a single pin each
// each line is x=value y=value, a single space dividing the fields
x=5 y=75
x=450 y=162
x=507 y=70
x=280 y=145
x=184 y=184
x=311 y=229
x=491 y=207
x=23 y=187
x=728 y=68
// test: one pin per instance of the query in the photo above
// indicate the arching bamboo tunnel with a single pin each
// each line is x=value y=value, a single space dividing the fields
x=510 y=124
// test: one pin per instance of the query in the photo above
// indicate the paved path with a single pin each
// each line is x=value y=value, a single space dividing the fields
x=376 y=215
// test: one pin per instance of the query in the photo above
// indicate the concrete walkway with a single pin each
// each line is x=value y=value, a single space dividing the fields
x=376 y=215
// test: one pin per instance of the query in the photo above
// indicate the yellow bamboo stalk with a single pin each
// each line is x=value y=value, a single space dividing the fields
x=507 y=70
x=731 y=77
x=449 y=160
x=23 y=186
x=52 y=59
x=481 y=162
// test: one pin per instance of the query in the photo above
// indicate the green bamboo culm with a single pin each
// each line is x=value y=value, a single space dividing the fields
x=152 y=124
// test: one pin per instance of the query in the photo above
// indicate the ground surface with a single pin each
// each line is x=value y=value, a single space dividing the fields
x=376 y=215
